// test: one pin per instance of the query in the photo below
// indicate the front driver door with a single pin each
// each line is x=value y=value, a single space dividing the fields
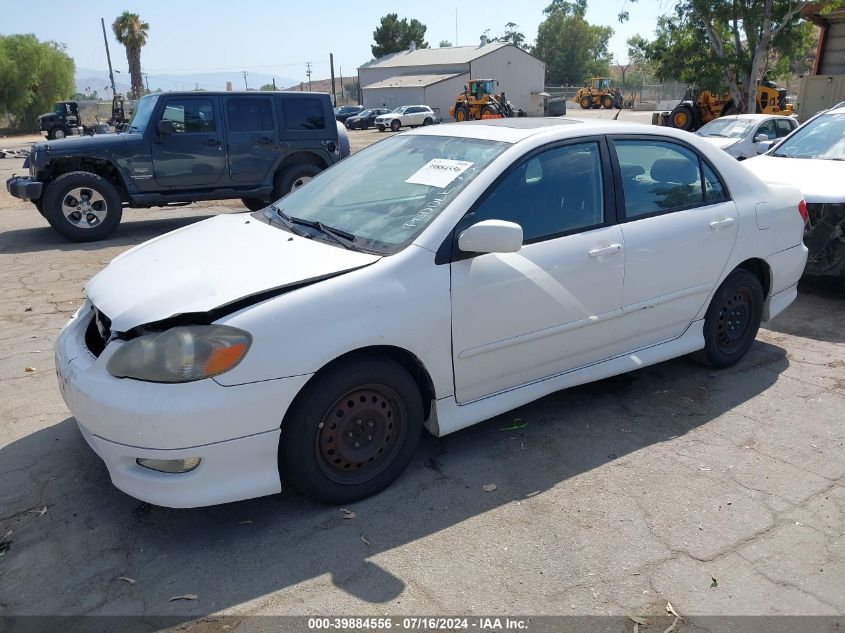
x=193 y=155
x=520 y=317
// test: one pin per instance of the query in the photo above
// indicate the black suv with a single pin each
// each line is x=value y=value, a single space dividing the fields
x=182 y=147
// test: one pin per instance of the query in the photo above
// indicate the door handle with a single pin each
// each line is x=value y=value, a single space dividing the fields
x=212 y=142
x=264 y=141
x=605 y=250
x=720 y=224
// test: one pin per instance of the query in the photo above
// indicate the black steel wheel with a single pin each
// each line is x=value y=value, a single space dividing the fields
x=353 y=430
x=732 y=320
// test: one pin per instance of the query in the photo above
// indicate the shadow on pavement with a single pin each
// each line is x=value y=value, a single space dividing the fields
x=129 y=233
x=67 y=559
x=818 y=313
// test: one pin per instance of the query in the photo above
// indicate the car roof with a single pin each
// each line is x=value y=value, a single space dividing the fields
x=751 y=117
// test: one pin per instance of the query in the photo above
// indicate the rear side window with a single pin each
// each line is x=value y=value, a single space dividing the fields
x=304 y=114
x=249 y=114
x=784 y=126
x=190 y=115
x=660 y=176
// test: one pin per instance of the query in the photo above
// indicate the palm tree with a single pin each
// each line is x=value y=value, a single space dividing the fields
x=132 y=33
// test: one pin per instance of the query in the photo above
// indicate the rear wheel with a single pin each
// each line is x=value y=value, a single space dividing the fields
x=428 y=121
x=82 y=206
x=586 y=103
x=254 y=204
x=732 y=320
x=681 y=117
x=395 y=125
x=293 y=178
x=352 y=432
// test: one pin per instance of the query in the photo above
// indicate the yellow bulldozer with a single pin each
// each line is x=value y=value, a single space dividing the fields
x=599 y=94
x=702 y=106
x=479 y=101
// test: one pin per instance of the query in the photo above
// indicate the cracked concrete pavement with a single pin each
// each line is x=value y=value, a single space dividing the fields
x=614 y=498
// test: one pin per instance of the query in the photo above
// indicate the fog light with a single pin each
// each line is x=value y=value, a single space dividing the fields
x=184 y=465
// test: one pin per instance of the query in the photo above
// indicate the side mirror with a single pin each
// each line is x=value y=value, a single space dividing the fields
x=491 y=236
x=165 y=127
x=765 y=146
x=761 y=138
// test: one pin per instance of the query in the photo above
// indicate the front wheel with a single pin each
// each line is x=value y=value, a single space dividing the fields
x=395 y=125
x=732 y=320
x=607 y=102
x=352 y=432
x=58 y=133
x=254 y=204
x=380 y=128
x=82 y=206
x=461 y=113
x=586 y=103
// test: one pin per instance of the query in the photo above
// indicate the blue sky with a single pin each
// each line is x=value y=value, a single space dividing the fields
x=278 y=37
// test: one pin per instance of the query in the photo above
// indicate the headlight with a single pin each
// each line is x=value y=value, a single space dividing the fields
x=181 y=354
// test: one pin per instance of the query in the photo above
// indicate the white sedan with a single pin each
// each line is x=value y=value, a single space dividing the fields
x=813 y=159
x=406 y=116
x=745 y=135
x=432 y=280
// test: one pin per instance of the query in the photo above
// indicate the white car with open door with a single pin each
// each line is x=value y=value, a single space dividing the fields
x=432 y=280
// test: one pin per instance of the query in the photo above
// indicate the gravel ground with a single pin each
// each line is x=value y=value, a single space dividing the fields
x=718 y=491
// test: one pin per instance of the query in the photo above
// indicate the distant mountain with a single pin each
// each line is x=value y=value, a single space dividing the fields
x=99 y=80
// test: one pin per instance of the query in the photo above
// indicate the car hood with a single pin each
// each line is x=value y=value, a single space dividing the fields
x=819 y=180
x=209 y=265
x=718 y=141
x=85 y=143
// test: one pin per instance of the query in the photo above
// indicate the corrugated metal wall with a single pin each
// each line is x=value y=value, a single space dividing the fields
x=819 y=92
x=833 y=57
x=372 y=75
x=393 y=97
x=442 y=95
x=519 y=73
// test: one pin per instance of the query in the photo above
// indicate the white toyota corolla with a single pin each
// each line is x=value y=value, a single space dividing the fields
x=435 y=279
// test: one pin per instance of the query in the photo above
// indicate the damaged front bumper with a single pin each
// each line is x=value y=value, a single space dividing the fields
x=825 y=239
x=24 y=187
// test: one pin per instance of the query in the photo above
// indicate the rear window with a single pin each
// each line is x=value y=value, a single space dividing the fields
x=304 y=114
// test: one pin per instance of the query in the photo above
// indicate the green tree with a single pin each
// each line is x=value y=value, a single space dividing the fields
x=394 y=35
x=130 y=31
x=573 y=49
x=737 y=37
x=267 y=88
x=33 y=75
x=445 y=44
x=512 y=35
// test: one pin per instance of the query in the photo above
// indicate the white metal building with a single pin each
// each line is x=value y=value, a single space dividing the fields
x=434 y=76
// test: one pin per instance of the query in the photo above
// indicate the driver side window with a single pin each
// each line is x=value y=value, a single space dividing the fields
x=190 y=115
x=556 y=192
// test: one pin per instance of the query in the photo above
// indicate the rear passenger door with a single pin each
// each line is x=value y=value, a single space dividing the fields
x=679 y=226
x=253 y=140
x=308 y=125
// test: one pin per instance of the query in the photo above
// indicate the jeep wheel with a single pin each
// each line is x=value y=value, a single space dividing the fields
x=294 y=178
x=82 y=206
x=395 y=125
x=254 y=204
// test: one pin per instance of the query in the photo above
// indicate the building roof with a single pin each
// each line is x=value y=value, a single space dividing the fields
x=435 y=56
x=411 y=81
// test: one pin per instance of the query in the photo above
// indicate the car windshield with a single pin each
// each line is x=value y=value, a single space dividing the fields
x=823 y=137
x=141 y=117
x=364 y=113
x=388 y=193
x=727 y=128
x=400 y=109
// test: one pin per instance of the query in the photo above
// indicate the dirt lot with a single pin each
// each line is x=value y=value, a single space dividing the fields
x=719 y=491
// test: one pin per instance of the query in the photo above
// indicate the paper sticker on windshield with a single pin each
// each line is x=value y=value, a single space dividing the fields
x=439 y=172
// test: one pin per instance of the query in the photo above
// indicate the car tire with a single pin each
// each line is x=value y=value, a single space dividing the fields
x=293 y=178
x=254 y=204
x=58 y=133
x=364 y=125
x=380 y=128
x=102 y=212
x=428 y=121
x=732 y=320
x=352 y=432
x=395 y=125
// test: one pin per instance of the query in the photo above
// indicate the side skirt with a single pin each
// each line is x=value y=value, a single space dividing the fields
x=448 y=416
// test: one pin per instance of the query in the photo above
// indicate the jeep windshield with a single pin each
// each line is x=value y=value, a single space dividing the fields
x=727 y=128
x=823 y=137
x=141 y=117
x=383 y=197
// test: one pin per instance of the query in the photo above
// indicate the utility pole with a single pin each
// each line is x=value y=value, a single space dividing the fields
x=245 y=73
x=147 y=80
x=331 y=63
x=108 y=57
x=274 y=84
x=308 y=73
x=342 y=89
